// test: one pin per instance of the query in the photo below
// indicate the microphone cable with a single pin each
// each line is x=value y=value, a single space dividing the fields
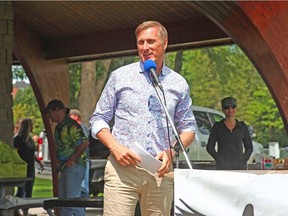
x=168 y=131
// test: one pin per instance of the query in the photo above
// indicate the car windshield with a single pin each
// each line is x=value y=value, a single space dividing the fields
x=203 y=122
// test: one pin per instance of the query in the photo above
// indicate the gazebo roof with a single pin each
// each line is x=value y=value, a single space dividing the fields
x=86 y=30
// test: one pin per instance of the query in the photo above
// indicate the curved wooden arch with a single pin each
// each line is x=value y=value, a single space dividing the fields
x=260 y=29
x=49 y=80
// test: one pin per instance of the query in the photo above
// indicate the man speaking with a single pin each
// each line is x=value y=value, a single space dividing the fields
x=130 y=98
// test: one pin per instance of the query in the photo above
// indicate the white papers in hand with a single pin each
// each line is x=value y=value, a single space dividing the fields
x=148 y=162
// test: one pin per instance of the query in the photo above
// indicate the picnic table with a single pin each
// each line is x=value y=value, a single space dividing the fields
x=8 y=202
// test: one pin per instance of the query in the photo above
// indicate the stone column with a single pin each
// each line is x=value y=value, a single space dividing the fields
x=6 y=87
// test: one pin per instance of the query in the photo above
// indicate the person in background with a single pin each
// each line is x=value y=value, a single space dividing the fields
x=130 y=98
x=35 y=138
x=76 y=115
x=26 y=149
x=16 y=127
x=71 y=144
x=230 y=135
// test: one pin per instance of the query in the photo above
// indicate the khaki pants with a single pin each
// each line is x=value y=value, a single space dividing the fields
x=124 y=186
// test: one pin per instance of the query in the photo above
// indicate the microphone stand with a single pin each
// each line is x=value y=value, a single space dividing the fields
x=179 y=143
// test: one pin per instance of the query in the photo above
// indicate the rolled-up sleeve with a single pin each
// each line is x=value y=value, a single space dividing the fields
x=104 y=110
x=184 y=117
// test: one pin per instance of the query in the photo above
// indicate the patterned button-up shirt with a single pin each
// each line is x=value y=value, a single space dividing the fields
x=129 y=97
x=68 y=135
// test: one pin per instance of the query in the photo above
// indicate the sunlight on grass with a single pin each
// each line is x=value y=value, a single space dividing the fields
x=42 y=188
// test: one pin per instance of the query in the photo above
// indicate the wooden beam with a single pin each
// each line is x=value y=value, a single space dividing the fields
x=122 y=42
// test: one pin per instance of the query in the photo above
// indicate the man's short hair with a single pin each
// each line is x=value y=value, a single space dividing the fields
x=53 y=104
x=75 y=112
x=149 y=24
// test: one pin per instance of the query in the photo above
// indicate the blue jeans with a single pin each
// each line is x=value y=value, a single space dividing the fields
x=70 y=187
x=85 y=182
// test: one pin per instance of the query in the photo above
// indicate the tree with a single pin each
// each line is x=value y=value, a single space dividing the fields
x=200 y=72
x=25 y=106
x=87 y=81
x=18 y=73
x=93 y=79
x=74 y=84
x=178 y=62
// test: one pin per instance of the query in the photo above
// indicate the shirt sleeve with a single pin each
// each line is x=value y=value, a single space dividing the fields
x=105 y=108
x=184 y=117
x=247 y=144
x=210 y=147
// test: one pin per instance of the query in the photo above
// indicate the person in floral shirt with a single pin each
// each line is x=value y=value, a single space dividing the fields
x=129 y=100
x=71 y=143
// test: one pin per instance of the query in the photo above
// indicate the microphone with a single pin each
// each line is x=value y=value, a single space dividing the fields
x=150 y=67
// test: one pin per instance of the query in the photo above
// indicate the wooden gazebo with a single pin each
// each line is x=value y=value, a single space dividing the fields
x=48 y=35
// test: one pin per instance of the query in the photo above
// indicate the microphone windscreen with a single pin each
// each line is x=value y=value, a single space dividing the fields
x=149 y=64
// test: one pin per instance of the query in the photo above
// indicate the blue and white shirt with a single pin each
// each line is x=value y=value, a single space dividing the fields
x=129 y=97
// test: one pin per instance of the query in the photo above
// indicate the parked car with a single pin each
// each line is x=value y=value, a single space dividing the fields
x=205 y=118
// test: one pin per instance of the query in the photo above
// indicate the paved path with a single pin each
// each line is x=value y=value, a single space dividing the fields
x=46 y=173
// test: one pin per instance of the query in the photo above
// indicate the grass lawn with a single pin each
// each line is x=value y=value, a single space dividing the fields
x=42 y=188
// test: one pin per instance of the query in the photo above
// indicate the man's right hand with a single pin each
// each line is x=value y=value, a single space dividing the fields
x=124 y=156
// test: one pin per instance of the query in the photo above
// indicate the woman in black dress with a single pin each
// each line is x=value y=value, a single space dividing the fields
x=26 y=150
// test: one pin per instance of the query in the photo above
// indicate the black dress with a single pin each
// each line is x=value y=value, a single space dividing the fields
x=26 y=151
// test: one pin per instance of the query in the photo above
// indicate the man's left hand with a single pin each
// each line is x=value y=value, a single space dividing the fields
x=165 y=157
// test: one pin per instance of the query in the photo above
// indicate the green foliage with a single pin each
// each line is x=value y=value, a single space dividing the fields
x=169 y=59
x=74 y=83
x=18 y=73
x=99 y=69
x=264 y=114
x=26 y=106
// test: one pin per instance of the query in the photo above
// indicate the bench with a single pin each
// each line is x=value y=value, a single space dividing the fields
x=10 y=202
x=91 y=202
